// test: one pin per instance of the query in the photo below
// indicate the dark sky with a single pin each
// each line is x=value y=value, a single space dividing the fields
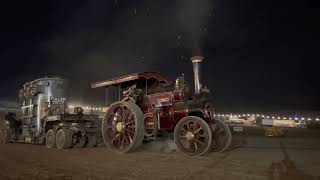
x=261 y=55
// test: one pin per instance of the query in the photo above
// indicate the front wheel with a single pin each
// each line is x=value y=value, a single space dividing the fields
x=193 y=136
x=123 y=128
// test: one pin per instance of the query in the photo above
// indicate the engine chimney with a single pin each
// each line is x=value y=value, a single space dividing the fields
x=196 y=61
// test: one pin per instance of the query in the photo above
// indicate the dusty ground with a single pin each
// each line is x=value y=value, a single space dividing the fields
x=252 y=157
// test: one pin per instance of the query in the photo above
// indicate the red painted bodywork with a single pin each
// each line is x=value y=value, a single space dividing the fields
x=168 y=104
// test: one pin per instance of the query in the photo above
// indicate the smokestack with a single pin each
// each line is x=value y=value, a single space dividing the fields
x=196 y=61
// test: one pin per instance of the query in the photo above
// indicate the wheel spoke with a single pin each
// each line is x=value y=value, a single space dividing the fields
x=126 y=137
x=188 y=126
x=122 y=142
x=113 y=139
x=195 y=145
x=108 y=126
x=129 y=130
x=130 y=138
x=197 y=131
x=131 y=127
x=219 y=131
x=130 y=122
x=199 y=142
x=183 y=137
x=184 y=130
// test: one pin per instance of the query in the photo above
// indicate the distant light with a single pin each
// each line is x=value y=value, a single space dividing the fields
x=279 y=117
x=284 y=118
x=258 y=115
x=218 y=115
x=273 y=117
x=309 y=119
x=302 y=119
x=268 y=117
x=296 y=118
x=290 y=118
x=317 y=119
x=243 y=115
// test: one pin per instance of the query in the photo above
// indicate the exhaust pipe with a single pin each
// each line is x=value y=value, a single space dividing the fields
x=196 y=61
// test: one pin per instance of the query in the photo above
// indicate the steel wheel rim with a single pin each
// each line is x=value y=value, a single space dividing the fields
x=194 y=136
x=120 y=129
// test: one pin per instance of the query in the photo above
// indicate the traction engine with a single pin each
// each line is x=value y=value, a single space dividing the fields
x=149 y=105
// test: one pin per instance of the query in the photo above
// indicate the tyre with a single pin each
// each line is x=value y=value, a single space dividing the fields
x=91 y=141
x=222 y=136
x=193 y=136
x=64 y=139
x=123 y=127
x=50 y=139
x=81 y=142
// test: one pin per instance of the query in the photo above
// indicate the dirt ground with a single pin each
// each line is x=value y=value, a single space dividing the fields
x=252 y=156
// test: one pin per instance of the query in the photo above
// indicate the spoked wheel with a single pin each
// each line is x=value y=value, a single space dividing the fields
x=64 y=139
x=222 y=136
x=123 y=128
x=193 y=136
x=51 y=139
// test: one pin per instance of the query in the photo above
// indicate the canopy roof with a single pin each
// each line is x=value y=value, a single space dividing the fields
x=130 y=77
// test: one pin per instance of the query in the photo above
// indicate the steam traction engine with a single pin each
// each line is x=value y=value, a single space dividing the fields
x=44 y=118
x=149 y=105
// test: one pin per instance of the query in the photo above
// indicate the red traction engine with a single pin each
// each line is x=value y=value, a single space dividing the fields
x=148 y=106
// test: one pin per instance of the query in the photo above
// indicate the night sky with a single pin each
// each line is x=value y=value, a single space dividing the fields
x=262 y=55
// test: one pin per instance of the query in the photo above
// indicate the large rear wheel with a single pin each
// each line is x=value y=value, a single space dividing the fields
x=123 y=128
x=192 y=135
x=222 y=136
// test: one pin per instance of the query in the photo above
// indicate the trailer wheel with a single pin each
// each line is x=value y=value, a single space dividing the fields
x=222 y=136
x=123 y=127
x=81 y=142
x=91 y=141
x=193 y=136
x=4 y=136
x=64 y=139
x=51 y=139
